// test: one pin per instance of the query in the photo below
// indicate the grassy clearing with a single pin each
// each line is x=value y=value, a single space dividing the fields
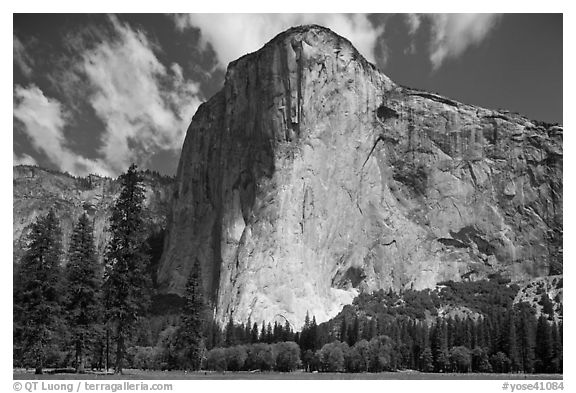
x=245 y=375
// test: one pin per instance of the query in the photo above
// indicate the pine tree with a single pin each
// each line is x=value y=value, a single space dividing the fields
x=425 y=335
x=479 y=333
x=83 y=307
x=190 y=334
x=469 y=336
x=288 y=335
x=426 y=361
x=556 y=348
x=439 y=345
x=262 y=337
x=487 y=330
x=277 y=332
x=125 y=287
x=248 y=332
x=314 y=339
x=526 y=336
x=452 y=333
x=269 y=334
x=512 y=343
x=544 y=345
x=343 y=330
x=239 y=334
x=354 y=332
x=305 y=336
x=37 y=291
x=230 y=338
x=496 y=333
x=254 y=333
x=214 y=335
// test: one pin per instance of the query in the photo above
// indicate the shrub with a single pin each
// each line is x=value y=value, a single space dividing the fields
x=311 y=360
x=167 y=354
x=353 y=361
x=332 y=357
x=362 y=347
x=216 y=359
x=235 y=357
x=287 y=356
x=57 y=358
x=500 y=362
x=145 y=358
x=259 y=357
x=442 y=362
x=460 y=359
x=380 y=349
x=480 y=361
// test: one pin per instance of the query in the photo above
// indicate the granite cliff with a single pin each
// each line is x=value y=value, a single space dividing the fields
x=311 y=176
x=36 y=190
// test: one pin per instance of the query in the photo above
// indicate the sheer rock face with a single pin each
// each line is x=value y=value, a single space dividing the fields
x=311 y=176
x=36 y=191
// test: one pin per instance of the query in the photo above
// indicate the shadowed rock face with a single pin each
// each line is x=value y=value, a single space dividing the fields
x=37 y=190
x=312 y=176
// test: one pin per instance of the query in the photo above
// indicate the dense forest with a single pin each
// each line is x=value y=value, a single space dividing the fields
x=388 y=331
x=71 y=312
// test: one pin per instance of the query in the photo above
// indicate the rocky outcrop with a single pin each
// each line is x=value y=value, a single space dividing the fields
x=311 y=176
x=37 y=190
x=534 y=290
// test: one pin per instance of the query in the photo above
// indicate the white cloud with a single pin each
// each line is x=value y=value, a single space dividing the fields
x=234 y=35
x=452 y=34
x=24 y=159
x=145 y=106
x=44 y=120
x=21 y=57
x=413 y=21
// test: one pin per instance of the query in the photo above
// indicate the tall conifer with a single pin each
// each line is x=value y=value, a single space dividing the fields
x=83 y=274
x=189 y=337
x=37 y=292
x=126 y=283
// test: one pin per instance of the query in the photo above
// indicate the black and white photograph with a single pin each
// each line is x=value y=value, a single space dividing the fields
x=288 y=196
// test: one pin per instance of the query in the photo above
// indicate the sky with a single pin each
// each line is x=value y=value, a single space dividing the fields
x=93 y=93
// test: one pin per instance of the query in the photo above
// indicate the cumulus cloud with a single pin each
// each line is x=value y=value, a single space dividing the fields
x=145 y=106
x=43 y=121
x=452 y=34
x=413 y=21
x=23 y=159
x=234 y=35
x=21 y=57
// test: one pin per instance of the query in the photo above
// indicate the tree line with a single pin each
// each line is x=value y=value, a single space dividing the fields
x=85 y=314
x=514 y=341
x=386 y=331
x=499 y=343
